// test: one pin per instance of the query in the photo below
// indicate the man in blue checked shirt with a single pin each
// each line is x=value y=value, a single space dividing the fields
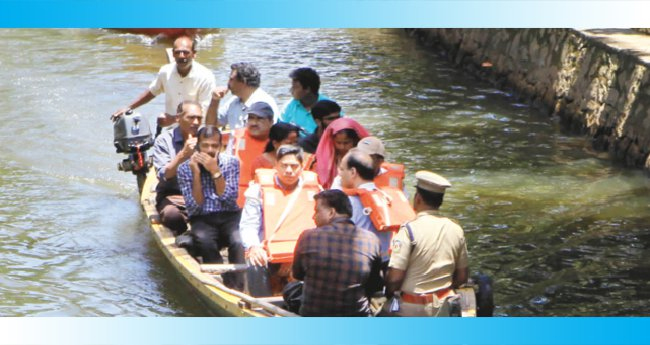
x=209 y=183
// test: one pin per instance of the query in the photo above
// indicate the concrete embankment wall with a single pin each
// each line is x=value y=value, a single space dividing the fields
x=593 y=87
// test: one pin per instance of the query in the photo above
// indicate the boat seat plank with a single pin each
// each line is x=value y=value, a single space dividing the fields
x=272 y=299
x=223 y=268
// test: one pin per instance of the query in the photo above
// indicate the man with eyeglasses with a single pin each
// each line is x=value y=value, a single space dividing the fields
x=182 y=80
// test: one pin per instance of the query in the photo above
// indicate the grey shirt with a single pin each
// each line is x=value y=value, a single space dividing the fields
x=233 y=111
x=165 y=148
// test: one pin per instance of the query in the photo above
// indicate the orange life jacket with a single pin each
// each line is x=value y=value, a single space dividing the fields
x=387 y=207
x=246 y=149
x=286 y=215
x=225 y=138
x=392 y=177
x=309 y=162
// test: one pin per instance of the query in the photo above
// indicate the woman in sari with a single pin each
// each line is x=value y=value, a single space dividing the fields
x=338 y=138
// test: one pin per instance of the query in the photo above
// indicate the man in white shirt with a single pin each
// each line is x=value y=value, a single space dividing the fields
x=244 y=83
x=182 y=80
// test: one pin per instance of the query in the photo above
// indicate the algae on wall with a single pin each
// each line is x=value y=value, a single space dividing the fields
x=594 y=88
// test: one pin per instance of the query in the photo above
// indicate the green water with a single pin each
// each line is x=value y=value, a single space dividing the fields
x=560 y=228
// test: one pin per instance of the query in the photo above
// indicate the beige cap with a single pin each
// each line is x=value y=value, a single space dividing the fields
x=431 y=181
x=372 y=146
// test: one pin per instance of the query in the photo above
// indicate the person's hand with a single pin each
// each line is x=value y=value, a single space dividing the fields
x=165 y=120
x=188 y=147
x=219 y=93
x=194 y=163
x=208 y=162
x=257 y=256
x=285 y=271
x=119 y=113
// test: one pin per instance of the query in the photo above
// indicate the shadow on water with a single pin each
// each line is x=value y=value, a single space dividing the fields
x=180 y=296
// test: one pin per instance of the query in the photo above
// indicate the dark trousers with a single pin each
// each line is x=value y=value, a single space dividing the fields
x=215 y=231
x=172 y=213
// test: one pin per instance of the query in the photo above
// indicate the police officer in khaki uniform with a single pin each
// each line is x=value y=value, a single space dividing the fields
x=429 y=255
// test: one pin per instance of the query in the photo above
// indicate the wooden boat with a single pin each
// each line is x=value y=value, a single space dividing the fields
x=205 y=279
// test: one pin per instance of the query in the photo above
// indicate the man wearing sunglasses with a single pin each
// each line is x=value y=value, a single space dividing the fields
x=182 y=80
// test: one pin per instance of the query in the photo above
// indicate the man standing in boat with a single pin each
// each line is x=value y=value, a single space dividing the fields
x=182 y=80
x=429 y=254
x=244 y=83
x=170 y=150
x=209 y=183
x=278 y=207
x=305 y=84
x=338 y=261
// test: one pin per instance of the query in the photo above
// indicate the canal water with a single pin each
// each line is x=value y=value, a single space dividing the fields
x=560 y=228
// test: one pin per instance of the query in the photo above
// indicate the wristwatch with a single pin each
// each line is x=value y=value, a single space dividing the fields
x=217 y=175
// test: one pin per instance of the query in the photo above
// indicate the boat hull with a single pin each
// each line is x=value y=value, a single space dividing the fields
x=210 y=289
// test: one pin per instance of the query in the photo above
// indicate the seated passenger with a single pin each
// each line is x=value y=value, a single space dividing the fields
x=282 y=133
x=339 y=137
x=277 y=209
x=323 y=112
x=357 y=172
x=209 y=182
x=387 y=174
x=170 y=149
x=338 y=261
x=248 y=143
x=389 y=179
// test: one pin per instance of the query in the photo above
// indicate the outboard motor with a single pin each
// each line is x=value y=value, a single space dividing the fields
x=132 y=136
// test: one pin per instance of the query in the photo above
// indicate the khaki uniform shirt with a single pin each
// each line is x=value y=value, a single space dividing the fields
x=439 y=249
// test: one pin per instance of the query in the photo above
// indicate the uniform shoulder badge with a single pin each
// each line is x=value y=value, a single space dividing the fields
x=396 y=246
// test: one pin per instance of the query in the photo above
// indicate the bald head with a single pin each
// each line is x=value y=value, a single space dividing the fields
x=185 y=41
x=356 y=168
x=184 y=52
